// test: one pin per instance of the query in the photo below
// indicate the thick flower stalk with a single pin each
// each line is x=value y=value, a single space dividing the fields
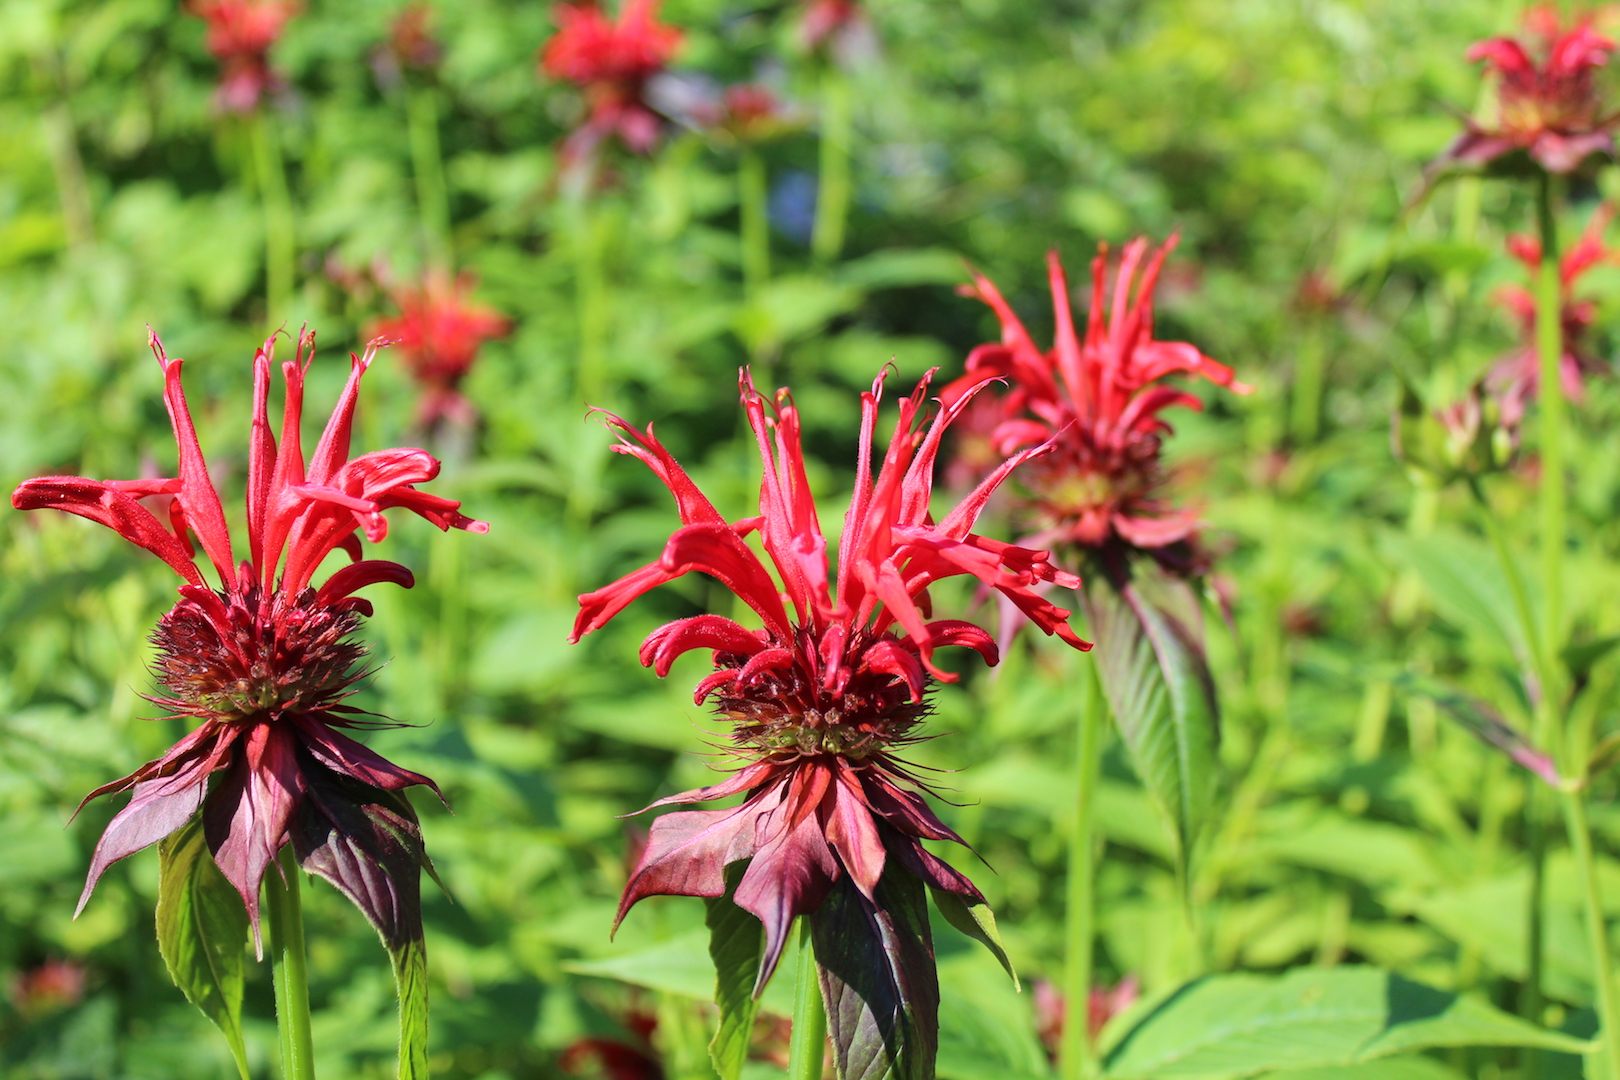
x=833 y=685
x=240 y=34
x=1548 y=106
x=612 y=62
x=1097 y=399
x=265 y=660
x=439 y=330
x=1515 y=378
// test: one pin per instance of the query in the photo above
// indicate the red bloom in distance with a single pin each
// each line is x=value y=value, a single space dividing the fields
x=1098 y=400
x=265 y=662
x=1517 y=376
x=611 y=62
x=240 y=33
x=439 y=330
x=824 y=694
x=1547 y=102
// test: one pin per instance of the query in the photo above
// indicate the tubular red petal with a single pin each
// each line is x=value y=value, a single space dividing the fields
x=198 y=497
x=698 y=632
x=103 y=503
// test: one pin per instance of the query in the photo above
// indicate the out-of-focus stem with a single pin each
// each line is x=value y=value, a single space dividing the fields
x=807 y=1046
x=1310 y=371
x=756 y=235
x=833 y=185
x=1075 y=1054
x=427 y=163
x=279 y=238
x=1597 y=932
x=289 y=969
x=1550 y=391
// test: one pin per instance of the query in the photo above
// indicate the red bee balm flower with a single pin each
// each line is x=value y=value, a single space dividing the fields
x=439 y=330
x=1548 y=105
x=1517 y=376
x=822 y=696
x=240 y=33
x=1097 y=400
x=266 y=663
x=611 y=62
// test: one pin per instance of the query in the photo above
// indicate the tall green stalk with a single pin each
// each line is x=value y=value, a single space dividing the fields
x=807 y=1046
x=833 y=183
x=289 y=969
x=427 y=163
x=1550 y=348
x=756 y=234
x=280 y=241
x=1075 y=1054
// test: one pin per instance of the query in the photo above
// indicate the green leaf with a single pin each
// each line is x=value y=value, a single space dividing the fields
x=878 y=980
x=681 y=965
x=202 y=931
x=977 y=921
x=1405 y=1068
x=1244 y=1025
x=1151 y=663
x=986 y=1028
x=1467 y=584
x=736 y=941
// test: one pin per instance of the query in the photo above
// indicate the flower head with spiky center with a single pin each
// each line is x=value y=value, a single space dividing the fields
x=1097 y=400
x=266 y=660
x=1547 y=101
x=240 y=34
x=823 y=695
x=439 y=329
x=612 y=63
x=1515 y=378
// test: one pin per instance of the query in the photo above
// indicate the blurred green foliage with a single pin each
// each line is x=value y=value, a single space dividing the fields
x=1280 y=137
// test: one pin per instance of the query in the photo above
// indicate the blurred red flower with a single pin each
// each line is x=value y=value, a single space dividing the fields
x=1548 y=104
x=836 y=26
x=410 y=38
x=822 y=697
x=263 y=662
x=1097 y=401
x=51 y=987
x=439 y=330
x=1515 y=378
x=240 y=34
x=611 y=62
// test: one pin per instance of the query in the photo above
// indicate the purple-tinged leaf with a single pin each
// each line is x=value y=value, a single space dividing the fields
x=366 y=842
x=1485 y=724
x=247 y=814
x=201 y=930
x=157 y=808
x=878 y=980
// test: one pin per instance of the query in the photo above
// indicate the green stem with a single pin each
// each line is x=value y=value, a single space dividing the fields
x=1550 y=347
x=279 y=239
x=1075 y=1054
x=432 y=198
x=808 y=1044
x=1580 y=842
x=1310 y=371
x=289 y=969
x=756 y=235
x=833 y=186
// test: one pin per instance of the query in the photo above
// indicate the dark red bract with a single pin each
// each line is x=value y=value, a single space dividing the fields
x=1548 y=105
x=439 y=330
x=611 y=62
x=1096 y=399
x=240 y=34
x=820 y=696
x=263 y=661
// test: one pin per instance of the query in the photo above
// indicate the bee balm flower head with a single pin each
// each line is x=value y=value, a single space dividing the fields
x=834 y=682
x=240 y=34
x=1096 y=400
x=439 y=330
x=265 y=661
x=612 y=63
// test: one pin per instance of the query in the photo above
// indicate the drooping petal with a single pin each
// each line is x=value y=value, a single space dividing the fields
x=698 y=632
x=790 y=875
x=852 y=832
x=687 y=854
x=346 y=581
x=347 y=757
x=103 y=503
x=156 y=809
x=245 y=817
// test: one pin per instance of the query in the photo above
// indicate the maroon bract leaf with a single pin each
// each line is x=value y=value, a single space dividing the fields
x=875 y=960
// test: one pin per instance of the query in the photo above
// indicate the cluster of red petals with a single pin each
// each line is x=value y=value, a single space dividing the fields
x=439 y=330
x=1516 y=378
x=1547 y=102
x=262 y=659
x=612 y=63
x=1096 y=400
x=410 y=38
x=825 y=21
x=240 y=34
x=835 y=677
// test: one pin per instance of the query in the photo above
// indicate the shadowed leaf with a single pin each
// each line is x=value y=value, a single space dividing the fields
x=977 y=921
x=1485 y=724
x=736 y=942
x=202 y=931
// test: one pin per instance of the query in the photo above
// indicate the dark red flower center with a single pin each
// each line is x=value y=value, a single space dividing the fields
x=245 y=657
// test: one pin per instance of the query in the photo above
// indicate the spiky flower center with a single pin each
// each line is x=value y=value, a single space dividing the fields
x=786 y=712
x=254 y=657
